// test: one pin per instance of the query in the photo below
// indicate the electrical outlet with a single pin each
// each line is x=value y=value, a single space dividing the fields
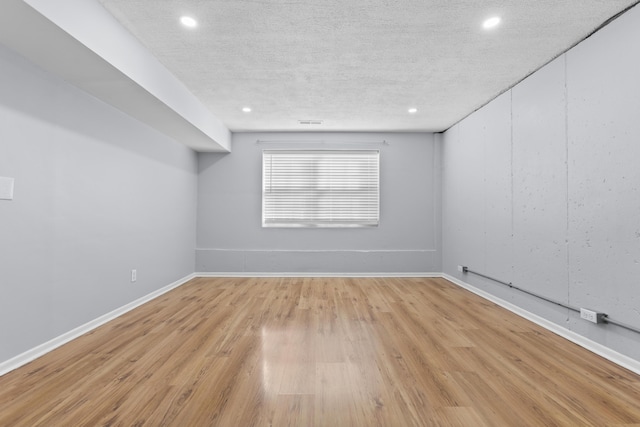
x=462 y=269
x=134 y=275
x=591 y=316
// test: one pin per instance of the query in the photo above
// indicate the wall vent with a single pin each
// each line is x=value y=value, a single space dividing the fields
x=309 y=122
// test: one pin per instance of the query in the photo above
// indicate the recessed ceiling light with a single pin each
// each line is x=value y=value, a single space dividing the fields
x=491 y=22
x=246 y=109
x=188 y=21
x=413 y=110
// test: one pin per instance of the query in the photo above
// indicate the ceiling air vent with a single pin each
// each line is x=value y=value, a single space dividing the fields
x=309 y=122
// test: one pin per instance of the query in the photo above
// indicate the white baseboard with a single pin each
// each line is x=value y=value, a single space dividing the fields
x=305 y=274
x=42 y=349
x=599 y=349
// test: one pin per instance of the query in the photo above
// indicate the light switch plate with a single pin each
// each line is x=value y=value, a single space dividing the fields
x=6 y=188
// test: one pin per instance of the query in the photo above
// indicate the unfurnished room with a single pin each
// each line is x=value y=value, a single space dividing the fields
x=296 y=213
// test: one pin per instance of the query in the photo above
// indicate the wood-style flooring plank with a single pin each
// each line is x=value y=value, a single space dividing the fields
x=320 y=352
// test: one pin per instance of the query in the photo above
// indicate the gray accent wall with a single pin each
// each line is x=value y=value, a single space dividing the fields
x=541 y=187
x=97 y=194
x=230 y=237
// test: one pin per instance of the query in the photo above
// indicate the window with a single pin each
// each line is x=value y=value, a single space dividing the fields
x=320 y=188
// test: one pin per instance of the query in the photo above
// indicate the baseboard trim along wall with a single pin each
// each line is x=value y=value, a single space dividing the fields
x=599 y=349
x=42 y=349
x=609 y=354
x=305 y=274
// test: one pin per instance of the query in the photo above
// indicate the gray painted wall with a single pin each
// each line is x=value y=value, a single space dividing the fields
x=230 y=237
x=96 y=195
x=541 y=187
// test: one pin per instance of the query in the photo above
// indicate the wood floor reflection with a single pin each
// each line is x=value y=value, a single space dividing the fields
x=319 y=352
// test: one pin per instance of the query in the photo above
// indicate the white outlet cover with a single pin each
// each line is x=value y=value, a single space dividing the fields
x=6 y=188
x=589 y=315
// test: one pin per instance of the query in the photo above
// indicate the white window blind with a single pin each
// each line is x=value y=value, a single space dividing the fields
x=320 y=188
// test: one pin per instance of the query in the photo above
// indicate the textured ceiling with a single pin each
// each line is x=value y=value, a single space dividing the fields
x=358 y=65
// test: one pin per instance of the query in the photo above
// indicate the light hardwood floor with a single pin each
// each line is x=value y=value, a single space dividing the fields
x=320 y=352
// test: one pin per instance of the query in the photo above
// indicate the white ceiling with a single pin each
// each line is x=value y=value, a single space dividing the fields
x=356 y=65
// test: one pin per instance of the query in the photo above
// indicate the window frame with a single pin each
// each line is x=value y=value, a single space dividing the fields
x=368 y=159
